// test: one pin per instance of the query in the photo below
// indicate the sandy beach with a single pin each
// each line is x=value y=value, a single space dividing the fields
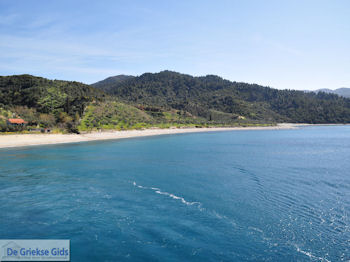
x=20 y=140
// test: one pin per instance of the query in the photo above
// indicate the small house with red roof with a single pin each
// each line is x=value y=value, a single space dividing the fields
x=16 y=122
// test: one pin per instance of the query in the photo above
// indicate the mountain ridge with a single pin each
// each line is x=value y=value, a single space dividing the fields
x=343 y=91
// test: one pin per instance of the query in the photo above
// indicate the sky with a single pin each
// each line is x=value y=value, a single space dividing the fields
x=284 y=44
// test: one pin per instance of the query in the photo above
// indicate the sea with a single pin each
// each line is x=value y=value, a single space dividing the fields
x=248 y=195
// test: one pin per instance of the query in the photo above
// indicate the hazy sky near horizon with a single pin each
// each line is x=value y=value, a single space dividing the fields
x=294 y=44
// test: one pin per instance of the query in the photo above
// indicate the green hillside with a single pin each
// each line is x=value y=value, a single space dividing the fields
x=164 y=99
x=46 y=103
x=74 y=107
x=219 y=100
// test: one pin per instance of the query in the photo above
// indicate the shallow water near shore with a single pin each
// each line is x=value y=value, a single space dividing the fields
x=263 y=195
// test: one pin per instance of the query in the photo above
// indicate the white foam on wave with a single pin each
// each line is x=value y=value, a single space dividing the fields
x=158 y=191
x=176 y=197
x=134 y=183
x=188 y=203
x=256 y=229
x=311 y=256
x=223 y=217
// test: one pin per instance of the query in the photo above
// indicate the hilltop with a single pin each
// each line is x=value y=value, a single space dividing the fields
x=106 y=83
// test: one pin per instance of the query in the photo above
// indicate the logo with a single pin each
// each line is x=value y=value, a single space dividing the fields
x=34 y=250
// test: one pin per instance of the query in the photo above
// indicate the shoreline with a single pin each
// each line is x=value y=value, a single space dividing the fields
x=24 y=140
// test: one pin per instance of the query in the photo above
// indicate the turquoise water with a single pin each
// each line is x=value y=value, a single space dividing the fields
x=225 y=196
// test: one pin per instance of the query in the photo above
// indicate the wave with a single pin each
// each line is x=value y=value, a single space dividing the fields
x=158 y=191
x=197 y=204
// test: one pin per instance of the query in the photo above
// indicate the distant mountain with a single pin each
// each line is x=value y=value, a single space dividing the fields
x=111 y=81
x=345 y=92
x=216 y=99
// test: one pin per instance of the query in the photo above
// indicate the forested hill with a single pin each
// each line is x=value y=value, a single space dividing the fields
x=43 y=102
x=214 y=98
x=47 y=96
x=163 y=99
x=63 y=106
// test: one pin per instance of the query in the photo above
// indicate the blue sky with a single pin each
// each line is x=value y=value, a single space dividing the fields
x=283 y=44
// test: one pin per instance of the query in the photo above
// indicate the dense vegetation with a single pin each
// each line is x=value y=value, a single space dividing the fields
x=73 y=107
x=45 y=103
x=120 y=116
x=164 y=99
x=219 y=100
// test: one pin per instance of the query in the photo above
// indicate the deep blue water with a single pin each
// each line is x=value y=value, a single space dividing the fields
x=225 y=196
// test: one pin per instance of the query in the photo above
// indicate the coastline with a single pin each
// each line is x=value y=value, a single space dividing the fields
x=23 y=140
